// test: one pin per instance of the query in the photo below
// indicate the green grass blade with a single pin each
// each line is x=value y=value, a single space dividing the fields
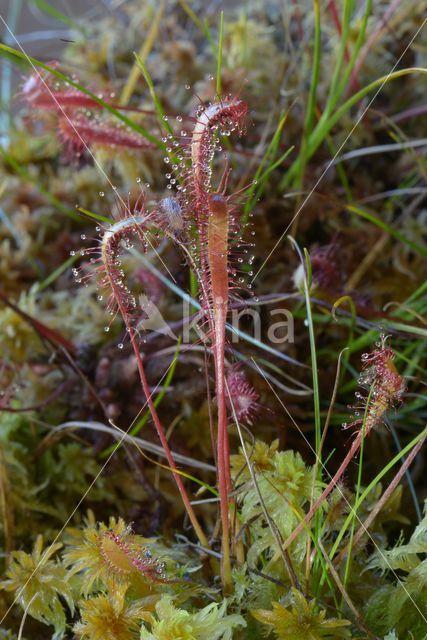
x=326 y=122
x=53 y=12
x=163 y=121
x=305 y=261
x=95 y=216
x=333 y=95
x=312 y=96
x=358 y=487
x=55 y=274
x=355 y=54
x=383 y=225
x=219 y=55
x=255 y=190
x=261 y=182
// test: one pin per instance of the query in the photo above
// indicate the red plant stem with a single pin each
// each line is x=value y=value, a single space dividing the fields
x=211 y=216
x=381 y=502
x=386 y=389
x=161 y=433
x=332 y=484
x=112 y=239
x=223 y=456
x=217 y=256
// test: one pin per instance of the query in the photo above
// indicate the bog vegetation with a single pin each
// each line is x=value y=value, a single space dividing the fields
x=166 y=475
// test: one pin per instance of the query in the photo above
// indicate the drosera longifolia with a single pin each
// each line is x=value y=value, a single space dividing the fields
x=125 y=558
x=135 y=223
x=205 y=224
x=50 y=89
x=41 y=90
x=78 y=119
x=211 y=231
x=215 y=231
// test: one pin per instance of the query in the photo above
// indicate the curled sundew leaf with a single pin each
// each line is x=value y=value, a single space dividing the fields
x=302 y=621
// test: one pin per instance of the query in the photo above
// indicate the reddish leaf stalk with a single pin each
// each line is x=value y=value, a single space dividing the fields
x=383 y=500
x=387 y=387
x=218 y=265
x=126 y=229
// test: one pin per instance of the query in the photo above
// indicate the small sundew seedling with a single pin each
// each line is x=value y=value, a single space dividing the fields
x=125 y=559
x=242 y=396
x=112 y=556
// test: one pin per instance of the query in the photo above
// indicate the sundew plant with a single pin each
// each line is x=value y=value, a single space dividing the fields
x=213 y=320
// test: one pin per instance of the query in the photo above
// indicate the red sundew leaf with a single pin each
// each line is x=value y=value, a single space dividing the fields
x=79 y=132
